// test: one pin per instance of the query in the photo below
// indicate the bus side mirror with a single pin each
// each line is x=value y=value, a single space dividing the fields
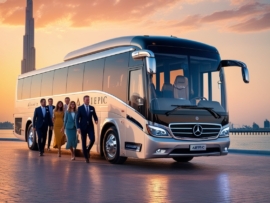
x=149 y=58
x=245 y=74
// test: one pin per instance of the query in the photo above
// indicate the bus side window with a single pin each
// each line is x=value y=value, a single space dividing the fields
x=75 y=78
x=47 y=84
x=26 y=87
x=35 y=86
x=60 y=81
x=136 y=94
x=115 y=75
x=93 y=75
x=19 y=89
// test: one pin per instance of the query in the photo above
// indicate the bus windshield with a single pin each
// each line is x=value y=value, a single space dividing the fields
x=190 y=81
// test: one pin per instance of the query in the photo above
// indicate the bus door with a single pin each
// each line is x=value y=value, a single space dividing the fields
x=135 y=120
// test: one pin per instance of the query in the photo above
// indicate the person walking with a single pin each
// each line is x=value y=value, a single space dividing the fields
x=85 y=125
x=58 y=119
x=70 y=128
x=51 y=107
x=67 y=100
x=41 y=121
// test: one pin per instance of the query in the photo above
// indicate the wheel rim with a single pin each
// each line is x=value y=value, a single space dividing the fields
x=30 y=137
x=111 y=146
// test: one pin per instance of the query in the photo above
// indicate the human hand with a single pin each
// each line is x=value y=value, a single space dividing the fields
x=79 y=131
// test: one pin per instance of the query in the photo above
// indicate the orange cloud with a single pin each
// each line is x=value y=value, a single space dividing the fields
x=251 y=17
x=254 y=24
x=81 y=13
x=248 y=18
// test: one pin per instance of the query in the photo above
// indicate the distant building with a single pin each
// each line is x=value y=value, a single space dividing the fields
x=29 y=53
x=266 y=124
x=6 y=125
x=231 y=125
x=255 y=126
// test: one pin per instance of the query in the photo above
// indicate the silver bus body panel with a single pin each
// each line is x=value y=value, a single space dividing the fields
x=93 y=57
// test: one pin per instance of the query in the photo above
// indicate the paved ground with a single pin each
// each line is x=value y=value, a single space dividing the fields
x=26 y=177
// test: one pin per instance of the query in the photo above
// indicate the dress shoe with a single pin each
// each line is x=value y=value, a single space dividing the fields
x=86 y=160
x=41 y=154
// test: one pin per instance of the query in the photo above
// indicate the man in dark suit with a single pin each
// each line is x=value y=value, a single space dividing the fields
x=51 y=108
x=85 y=125
x=41 y=121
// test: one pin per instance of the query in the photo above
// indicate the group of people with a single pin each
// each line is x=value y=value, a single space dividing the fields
x=67 y=122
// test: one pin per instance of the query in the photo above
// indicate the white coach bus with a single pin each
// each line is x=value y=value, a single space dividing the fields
x=155 y=97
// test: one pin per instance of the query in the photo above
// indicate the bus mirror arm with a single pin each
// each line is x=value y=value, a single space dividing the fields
x=226 y=63
x=149 y=58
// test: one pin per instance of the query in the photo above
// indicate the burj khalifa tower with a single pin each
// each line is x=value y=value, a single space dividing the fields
x=29 y=53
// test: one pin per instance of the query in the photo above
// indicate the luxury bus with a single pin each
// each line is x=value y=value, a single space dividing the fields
x=155 y=97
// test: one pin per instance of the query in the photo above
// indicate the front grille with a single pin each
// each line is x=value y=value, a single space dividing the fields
x=187 y=151
x=185 y=130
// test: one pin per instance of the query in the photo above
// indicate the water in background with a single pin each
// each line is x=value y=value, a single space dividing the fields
x=6 y=134
x=247 y=142
x=250 y=142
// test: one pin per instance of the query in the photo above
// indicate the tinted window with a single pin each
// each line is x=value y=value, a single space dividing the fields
x=75 y=78
x=47 y=83
x=19 y=89
x=136 y=84
x=60 y=81
x=35 y=86
x=26 y=88
x=93 y=75
x=115 y=75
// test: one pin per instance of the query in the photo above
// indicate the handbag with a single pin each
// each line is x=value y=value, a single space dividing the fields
x=63 y=139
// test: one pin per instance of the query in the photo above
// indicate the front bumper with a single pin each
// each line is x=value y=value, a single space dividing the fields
x=178 y=148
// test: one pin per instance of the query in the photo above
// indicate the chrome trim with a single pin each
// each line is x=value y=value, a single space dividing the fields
x=99 y=47
x=142 y=54
x=245 y=73
x=82 y=59
x=199 y=154
x=195 y=139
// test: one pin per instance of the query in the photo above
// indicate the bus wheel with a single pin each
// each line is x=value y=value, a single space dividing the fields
x=183 y=159
x=31 y=138
x=111 y=147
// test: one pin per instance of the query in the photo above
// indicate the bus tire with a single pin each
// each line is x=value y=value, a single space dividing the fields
x=31 y=138
x=111 y=147
x=183 y=159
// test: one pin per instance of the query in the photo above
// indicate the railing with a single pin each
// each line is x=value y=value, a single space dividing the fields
x=250 y=131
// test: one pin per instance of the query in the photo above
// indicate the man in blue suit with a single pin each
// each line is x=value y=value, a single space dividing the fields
x=85 y=125
x=51 y=107
x=41 y=121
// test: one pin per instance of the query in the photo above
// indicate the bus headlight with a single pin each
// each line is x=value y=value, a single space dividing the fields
x=225 y=131
x=156 y=131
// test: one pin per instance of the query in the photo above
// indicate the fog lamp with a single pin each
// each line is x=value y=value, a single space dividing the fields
x=161 y=151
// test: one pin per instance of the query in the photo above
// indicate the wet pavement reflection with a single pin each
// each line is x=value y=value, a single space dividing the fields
x=26 y=177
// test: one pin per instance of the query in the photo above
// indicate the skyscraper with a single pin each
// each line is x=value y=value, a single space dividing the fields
x=266 y=124
x=29 y=53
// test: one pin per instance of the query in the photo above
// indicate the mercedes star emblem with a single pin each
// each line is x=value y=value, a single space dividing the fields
x=197 y=130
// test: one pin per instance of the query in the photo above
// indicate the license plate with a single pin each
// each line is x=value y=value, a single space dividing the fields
x=201 y=147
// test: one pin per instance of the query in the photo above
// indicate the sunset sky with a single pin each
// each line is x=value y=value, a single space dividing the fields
x=239 y=29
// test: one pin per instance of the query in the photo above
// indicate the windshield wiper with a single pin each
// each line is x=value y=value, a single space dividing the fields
x=210 y=110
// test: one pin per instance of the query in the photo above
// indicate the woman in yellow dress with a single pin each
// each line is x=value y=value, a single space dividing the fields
x=58 y=126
